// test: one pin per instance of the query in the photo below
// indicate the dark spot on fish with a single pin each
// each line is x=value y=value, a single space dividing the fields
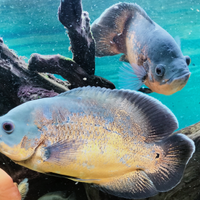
x=157 y=155
x=45 y=154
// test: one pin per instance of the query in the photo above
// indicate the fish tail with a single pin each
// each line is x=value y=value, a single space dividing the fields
x=177 y=151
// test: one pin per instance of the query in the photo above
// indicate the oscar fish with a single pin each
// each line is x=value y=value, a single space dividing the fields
x=153 y=57
x=117 y=140
x=58 y=195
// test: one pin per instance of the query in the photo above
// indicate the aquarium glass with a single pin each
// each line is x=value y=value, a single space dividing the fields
x=33 y=27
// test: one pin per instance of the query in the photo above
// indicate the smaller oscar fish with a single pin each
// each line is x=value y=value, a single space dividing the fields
x=58 y=195
x=118 y=140
x=153 y=57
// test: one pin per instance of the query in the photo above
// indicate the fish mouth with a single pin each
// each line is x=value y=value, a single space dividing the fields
x=181 y=79
x=169 y=86
x=174 y=85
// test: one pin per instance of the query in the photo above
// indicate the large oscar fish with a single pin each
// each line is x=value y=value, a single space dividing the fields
x=155 y=58
x=117 y=140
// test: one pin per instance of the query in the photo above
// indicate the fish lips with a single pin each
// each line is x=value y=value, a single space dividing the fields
x=177 y=83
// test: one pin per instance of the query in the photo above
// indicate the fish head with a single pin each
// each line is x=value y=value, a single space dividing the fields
x=19 y=135
x=168 y=70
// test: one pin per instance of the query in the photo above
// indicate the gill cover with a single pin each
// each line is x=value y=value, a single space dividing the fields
x=19 y=134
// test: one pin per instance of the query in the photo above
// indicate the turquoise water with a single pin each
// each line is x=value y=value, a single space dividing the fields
x=32 y=27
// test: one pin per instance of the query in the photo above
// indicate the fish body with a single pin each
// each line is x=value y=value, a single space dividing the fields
x=117 y=140
x=154 y=56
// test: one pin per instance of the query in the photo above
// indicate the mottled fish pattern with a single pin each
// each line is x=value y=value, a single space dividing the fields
x=117 y=140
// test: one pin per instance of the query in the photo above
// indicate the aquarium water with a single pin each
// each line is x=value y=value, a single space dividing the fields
x=33 y=27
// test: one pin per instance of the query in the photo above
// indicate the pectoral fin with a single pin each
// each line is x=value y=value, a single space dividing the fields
x=61 y=151
x=131 y=76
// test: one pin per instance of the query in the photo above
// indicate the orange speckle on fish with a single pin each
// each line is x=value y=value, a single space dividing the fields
x=116 y=139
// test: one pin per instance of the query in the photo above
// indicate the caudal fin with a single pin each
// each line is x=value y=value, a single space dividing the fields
x=178 y=149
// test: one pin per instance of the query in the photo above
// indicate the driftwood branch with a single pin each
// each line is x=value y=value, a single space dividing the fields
x=21 y=82
x=82 y=43
x=18 y=84
x=68 y=69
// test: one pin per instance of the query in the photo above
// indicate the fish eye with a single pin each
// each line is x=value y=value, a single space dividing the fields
x=8 y=127
x=187 y=60
x=160 y=70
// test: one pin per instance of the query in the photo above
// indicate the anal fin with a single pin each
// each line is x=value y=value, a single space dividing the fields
x=134 y=185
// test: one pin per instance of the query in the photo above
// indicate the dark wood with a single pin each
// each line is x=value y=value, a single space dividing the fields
x=77 y=22
x=21 y=82
x=68 y=69
x=18 y=84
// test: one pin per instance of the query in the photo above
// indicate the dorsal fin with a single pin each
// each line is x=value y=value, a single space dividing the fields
x=110 y=28
x=155 y=120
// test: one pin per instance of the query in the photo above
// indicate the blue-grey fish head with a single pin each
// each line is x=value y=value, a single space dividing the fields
x=19 y=135
x=168 y=70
